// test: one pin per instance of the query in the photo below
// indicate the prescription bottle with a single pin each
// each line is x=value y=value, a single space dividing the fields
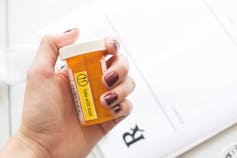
x=86 y=64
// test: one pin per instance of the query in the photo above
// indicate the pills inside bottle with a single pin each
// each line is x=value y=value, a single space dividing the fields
x=86 y=65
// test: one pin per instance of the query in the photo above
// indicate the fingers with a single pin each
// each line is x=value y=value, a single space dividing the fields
x=118 y=84
x=115 y=101
x=125 y=109
x=116 y=73
x=107 y=126
x=122 y=109
x=118 y=94
x=112 y=45
x=48 y=50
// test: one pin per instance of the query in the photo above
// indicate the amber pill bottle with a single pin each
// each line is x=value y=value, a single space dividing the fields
x=86 y=64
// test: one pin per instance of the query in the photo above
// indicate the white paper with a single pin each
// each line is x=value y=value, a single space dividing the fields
x=189 y=62
x=225 y=12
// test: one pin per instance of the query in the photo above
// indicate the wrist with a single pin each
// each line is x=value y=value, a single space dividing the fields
x=22 y=146
x=37 y=149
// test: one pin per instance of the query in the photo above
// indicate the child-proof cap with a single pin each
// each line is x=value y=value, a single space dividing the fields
x=82 y=48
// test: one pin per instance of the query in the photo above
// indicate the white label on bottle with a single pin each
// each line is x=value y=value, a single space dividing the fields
x=75 y=95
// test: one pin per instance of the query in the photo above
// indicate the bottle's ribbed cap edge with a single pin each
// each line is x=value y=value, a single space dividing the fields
x=81 y=48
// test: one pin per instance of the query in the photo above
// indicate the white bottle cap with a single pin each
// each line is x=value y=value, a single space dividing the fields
x=82 y=48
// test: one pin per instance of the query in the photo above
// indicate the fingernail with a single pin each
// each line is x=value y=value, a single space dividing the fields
x=111 y=78
x=110 y=98
x=63 y=66
x=117 y=108
x=115 y=44
x=70 y=30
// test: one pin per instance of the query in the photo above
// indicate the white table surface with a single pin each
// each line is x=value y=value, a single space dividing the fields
x=25 y=18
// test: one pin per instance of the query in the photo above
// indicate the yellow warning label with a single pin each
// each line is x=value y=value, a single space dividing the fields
x=85 y=95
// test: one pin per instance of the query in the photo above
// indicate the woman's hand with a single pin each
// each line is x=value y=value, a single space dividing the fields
x=50 y=125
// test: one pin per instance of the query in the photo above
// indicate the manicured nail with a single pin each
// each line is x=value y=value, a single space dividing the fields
x=63 y=66
x=115 y=44
x=110 y=98
x=111 y=78
x=117 y=108
x=70 y=30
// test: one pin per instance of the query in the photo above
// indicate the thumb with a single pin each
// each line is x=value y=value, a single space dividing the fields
x=47 y=53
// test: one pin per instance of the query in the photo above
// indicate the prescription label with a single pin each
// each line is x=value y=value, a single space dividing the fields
x=75 y=95
x=85 y=95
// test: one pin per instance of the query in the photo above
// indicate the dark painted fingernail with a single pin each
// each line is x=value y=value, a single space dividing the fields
x=70 y=30
x=117 y=108
x=111 y=78
x=63 y=66
x=115 y=44
x=110 y=98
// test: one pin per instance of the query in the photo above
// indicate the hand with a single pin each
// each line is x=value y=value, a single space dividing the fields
x=50 y=124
